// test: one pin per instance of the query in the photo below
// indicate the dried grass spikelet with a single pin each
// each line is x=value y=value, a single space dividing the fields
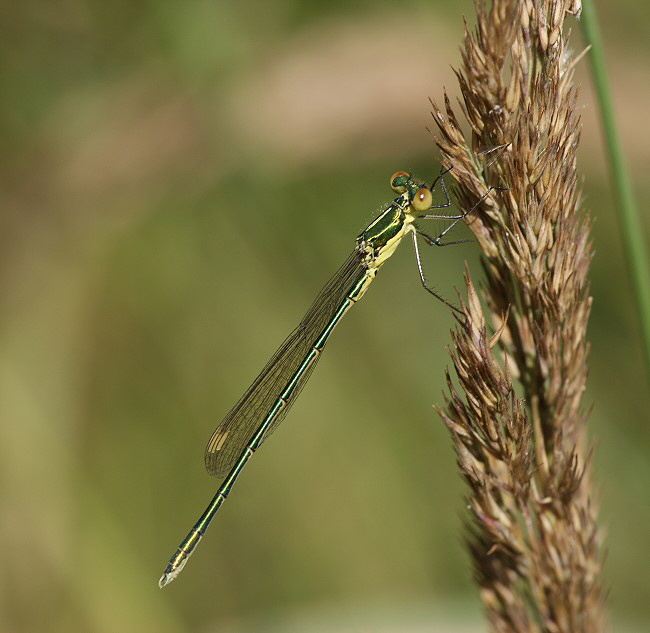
x=533 y=539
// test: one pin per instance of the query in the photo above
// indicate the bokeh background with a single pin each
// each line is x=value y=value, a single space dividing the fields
x=177 y=182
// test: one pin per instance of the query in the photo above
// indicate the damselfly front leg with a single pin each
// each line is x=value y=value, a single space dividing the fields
x=437 y=241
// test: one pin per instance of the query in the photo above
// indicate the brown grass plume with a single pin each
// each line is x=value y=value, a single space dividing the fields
x=515 y=413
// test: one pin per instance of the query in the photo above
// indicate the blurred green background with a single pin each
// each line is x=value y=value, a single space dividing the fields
x=178 y=181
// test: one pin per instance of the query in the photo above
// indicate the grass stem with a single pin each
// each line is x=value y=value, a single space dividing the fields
x=632 y=230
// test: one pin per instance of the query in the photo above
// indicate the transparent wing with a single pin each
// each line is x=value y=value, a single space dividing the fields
x=236 y=429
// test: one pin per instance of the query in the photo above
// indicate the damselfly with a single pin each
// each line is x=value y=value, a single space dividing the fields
x=264 y=405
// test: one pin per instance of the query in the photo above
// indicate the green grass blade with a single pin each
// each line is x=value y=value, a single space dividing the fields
x=632 y=230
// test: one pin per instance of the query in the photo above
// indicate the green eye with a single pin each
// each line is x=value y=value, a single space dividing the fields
x=400 y=176
x=422 y=200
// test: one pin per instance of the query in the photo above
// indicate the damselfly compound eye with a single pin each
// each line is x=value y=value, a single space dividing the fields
x=422 y=200
x=398 y=181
